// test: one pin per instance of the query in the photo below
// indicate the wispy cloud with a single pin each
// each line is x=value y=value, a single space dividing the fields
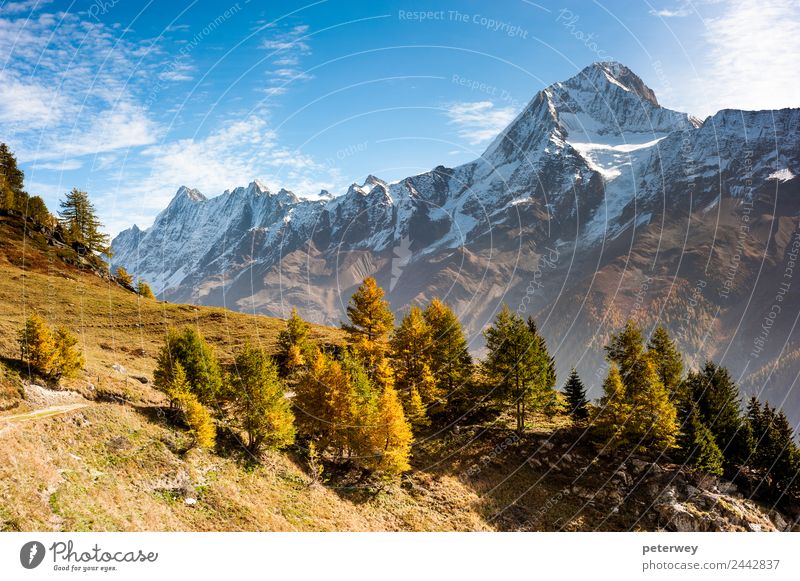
x=479 y=121
x=752 y=61
x=69 y=87
x=24 y=6
x=231 y=156
x=64 y=165
x=287 y=47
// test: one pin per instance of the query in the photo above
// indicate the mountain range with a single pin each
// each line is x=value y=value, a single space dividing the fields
x=595 y=205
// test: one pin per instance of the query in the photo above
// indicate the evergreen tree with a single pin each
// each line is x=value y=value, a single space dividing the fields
x=371 y=321
x=203 y=374
x=668 y=361
x=79 y=220
x=143 y=290
x=697 y=446
x=124 y=278
x=451 y=362
x=258 y=404
x=549 y=378
x=411 y=346
x=576 y=396
x=516 y=364
x=717 y=398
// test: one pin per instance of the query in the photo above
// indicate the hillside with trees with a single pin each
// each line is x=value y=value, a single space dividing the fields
x=121 y=412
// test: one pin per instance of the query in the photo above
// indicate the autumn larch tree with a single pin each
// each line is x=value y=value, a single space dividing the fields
x=143 y=290
x=80 y=223
x=652 y=421
x=12 y=193
x=124 y=278
x=371 y=321
x=451 y=362
x=411 y=345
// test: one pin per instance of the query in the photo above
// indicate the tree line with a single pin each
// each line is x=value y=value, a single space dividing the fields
x=364 y=402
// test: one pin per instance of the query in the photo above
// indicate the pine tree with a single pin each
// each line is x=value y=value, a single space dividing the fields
x=697 y=446
x=718 y=403
x=69 y=359
x=515 y=363
x=549 y=377
x=38 y=346
x=203 y=373
x=450 y=361
x=124 y=278
x=668 y=361
x=295 y=349
x=258 y=405
x=411 y=346
x=371 y=321
x=576 y=396
x=143 y=290
x=79 y=220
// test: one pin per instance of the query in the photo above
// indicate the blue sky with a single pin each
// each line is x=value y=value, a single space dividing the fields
x=131 y=99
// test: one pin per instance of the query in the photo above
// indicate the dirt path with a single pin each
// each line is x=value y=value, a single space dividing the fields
x=47 y=412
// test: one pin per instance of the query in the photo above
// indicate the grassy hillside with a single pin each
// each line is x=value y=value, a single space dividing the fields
x=97 y=453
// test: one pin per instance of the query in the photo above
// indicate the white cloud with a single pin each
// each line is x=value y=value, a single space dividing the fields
x=179 y=71
x=69 y=87
x=24 y=6
x=667 y=13
x=479 y=121
x=288 y=46
x=752 y=59
x=229 y=157
x=26 y=105
x=64 y=165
